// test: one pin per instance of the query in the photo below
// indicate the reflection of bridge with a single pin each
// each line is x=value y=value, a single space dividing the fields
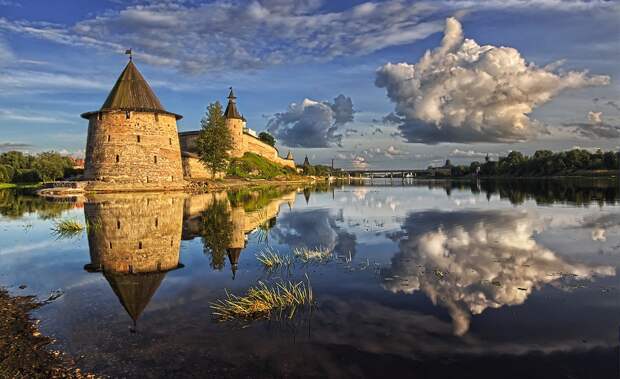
x=391 y=174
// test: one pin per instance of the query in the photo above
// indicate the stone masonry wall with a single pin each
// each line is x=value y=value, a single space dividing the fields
x=134 y=233
x=193 y=168
x=133 y=147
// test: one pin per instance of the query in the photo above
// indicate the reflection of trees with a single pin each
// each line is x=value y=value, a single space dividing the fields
x=217 y=228
x=14 y=204
x=579 y=191
x=470 y=261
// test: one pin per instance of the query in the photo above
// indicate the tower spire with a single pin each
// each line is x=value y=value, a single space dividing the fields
x=231 y=109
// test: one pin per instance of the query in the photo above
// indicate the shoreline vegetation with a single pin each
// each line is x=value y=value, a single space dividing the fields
x=23 y=171
x=24 y=351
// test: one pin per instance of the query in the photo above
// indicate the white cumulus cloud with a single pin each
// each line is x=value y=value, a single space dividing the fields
x=312 y=123
x=464 y=92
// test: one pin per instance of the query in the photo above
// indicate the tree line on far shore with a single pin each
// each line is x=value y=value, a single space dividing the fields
x=18 y=167
x=542 y=163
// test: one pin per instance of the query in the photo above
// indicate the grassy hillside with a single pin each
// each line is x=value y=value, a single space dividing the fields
x=255 y=166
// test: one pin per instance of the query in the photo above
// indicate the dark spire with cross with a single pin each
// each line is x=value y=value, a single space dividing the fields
x=231 y=109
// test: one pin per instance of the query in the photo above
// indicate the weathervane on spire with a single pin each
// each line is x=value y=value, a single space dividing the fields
x=129 y=52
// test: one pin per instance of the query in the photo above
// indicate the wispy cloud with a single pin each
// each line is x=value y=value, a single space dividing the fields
x=18 y=80
x=201 y=37
x=14 y=146
x=32 y=117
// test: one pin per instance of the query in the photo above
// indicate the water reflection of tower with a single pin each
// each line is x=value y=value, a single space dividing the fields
x=134 y=240
x=224 y=224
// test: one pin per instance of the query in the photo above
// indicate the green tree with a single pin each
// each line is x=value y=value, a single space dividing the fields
x=215 y=141
x=51 y=165
x=217 y=228
x=267 y=138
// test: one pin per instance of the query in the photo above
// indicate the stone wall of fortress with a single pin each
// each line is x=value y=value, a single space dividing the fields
x=194 y=169
x=133 y=149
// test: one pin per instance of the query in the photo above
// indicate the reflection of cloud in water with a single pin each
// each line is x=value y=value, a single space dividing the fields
x=316 y=228
x=472 y=260
x=601 y=225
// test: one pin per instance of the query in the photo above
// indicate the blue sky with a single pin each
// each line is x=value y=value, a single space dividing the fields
x=540 y=74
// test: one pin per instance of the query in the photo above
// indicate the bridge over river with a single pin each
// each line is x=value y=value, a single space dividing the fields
x=395 y=173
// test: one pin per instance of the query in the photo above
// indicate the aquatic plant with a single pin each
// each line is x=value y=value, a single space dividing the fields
x=319 y=255
x=262 y=301
x=272 y=259
x=67 y=228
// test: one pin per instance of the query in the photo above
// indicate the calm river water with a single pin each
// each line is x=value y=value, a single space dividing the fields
x=430 y=279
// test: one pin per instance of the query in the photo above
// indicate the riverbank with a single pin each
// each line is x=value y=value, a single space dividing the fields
x=24 y=350
x=236 y=183
x=20 y=185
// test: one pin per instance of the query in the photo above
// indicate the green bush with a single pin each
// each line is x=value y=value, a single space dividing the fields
x=6 y=173
x=254 y=166
x=28 y=175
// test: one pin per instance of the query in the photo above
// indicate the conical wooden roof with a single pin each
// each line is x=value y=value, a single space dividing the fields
x=131 y=93
x=231 y=109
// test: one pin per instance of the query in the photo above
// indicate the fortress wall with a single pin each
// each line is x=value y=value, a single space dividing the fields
x=256 y=146
x=193 y=168
x=141 y=149
x=135 y=232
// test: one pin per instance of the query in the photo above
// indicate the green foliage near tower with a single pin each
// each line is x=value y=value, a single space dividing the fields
x=267 y=138
x=215 y=141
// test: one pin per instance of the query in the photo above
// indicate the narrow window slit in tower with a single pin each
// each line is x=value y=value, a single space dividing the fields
x=110 y=244
x=140 y=245
x=138 y=138
x=170 y=141
x=118 y=158
x=127 y=114
x=118 y=224
x=156 y=222
x=156 y=117
x=109 y=138
x=155 y=159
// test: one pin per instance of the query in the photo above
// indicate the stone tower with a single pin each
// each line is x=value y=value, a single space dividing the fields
x=236 y=124
x=132 y=140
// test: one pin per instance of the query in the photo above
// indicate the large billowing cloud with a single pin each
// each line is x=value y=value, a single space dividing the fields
x=473 y=260
x=464 y=92
x=312 y=123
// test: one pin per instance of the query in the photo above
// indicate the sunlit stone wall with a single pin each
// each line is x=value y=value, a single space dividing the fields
x=133 y=147
x=135 y=233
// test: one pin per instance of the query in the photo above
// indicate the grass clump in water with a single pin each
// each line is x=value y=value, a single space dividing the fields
x=67 y=228
x=262 y=301
x=320 y=255
x=271 y=259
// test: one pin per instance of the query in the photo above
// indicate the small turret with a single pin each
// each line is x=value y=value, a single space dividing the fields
x=236 y=124
x=289 y=156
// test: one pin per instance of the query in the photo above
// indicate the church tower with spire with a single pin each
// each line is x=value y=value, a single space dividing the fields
x=235 y=123
x=132 y=140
